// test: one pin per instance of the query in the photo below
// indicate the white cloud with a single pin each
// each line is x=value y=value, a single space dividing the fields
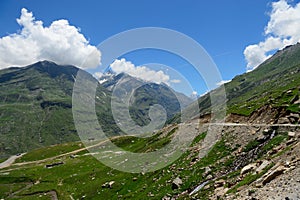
x=141 y=72
x=223 y=82
x=282 y=29
x=60 y=42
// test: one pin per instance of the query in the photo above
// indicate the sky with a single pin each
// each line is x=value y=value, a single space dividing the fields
x=237 y=34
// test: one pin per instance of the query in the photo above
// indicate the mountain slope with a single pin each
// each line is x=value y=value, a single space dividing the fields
x=272 y=85
x=36 y=106
x=145 y=95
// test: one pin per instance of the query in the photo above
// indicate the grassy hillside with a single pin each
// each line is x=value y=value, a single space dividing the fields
x=36 y=106
x=267 y=84
x=274 y=83
x=80 y=176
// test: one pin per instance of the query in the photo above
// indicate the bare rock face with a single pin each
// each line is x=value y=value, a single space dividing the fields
x=220 y=191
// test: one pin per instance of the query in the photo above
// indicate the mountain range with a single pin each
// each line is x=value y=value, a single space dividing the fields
x=36 y=105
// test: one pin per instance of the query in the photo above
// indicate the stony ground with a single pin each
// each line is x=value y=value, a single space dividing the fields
x=285 y=185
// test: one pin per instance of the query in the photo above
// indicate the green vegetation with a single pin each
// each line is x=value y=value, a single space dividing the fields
x=51 y=151
x=251 y=145
x=199 y=138
x=36 y=106
x=275 y=141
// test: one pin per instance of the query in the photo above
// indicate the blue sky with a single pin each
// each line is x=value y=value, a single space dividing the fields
x=223 y=28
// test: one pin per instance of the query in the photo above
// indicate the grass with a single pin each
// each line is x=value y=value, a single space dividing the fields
x=199 y=138
x=251 y=145
x=84 y=175
x=51 y=151
x=275 y=141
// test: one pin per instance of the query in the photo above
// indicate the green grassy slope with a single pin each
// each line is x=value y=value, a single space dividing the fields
x=36 y=107
x=268 y=84
x=82 y=176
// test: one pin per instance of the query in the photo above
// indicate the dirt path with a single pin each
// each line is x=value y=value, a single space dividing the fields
x=10 y=162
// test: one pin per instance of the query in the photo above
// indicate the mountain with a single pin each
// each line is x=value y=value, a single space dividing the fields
x=36 y=106
x=273 y=86
x=146 y=94
x=256 y=155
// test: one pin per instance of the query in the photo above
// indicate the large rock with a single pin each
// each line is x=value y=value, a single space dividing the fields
x=108 y=184
x=262 y=166
x=291 y=134
x=220 y=183
x=176 y=183
x=283 y=120
x=248 y=168
x=271 y=175
x=278 y=171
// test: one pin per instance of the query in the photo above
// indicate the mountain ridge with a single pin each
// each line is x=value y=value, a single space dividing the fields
x=36 y=106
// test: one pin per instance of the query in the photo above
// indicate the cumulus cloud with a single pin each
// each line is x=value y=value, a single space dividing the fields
x=141 y=72
x=282 y=29
x=60 y=42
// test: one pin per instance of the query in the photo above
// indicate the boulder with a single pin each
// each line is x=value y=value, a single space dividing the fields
x=273 y=174
x=262 y=166
x=248 y=168
x=176 y=183
x=108 y=184
x=291 y=134
x=297 y=102
x=294 y=115
x=283 y=120
x=219 y=183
